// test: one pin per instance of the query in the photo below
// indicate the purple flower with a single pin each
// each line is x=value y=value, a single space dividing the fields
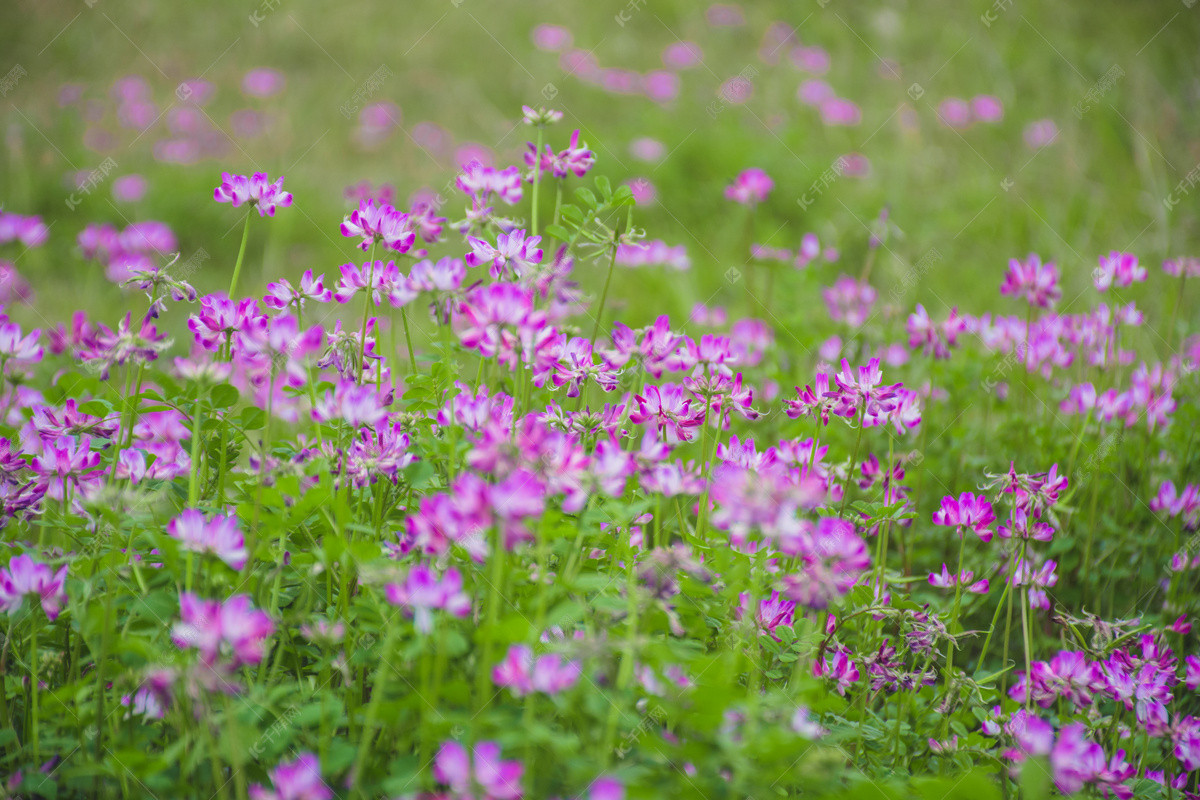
x=422 y=591
x=219 y=536
x=1119 y=269
x=496 y=779
x=295 y=780
x=1033 y=280
x=772 y=612
x=379 y=223
x=838 y=668
x=233 y=628
x=947 y=581
x=282 y=295
x=24 y=576
x=1074 y=759
x=257 y=190
x=750 y=187
x=968 y=511
x=521 y=673
x=512 y=252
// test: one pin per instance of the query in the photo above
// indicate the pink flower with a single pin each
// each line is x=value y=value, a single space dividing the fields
x=1040 y=133
x=24 y=576
x=521 y=674
x=1036 y=282
x=750 y=188
x=65 y=463
x=233 y=628
x=512 y=252
x=422 y=592
x=772 y=612
x=576 y=366
x=1182 y=267
x=282 y=295
x=18 y=346
x=1120 y=269
x=379 y=223
x=1074 y=759
x=967 y=511
x=986 y=108
x=839 y=668
x=295 y=780
x=947 y=581
x=257 y=190
x=840 y=111
x=670 y=411
x=219 y=536
x=606 y=788
x=495 y=779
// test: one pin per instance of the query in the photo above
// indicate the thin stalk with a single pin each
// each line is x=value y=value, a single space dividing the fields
x=237 y=268
x=368 y=303
x=604 y=295
x=33 y=689
x=853 y=461
x=537 y=179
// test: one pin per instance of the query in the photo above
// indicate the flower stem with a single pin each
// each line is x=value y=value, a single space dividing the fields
x=604 y=295
x=237 y=268
x=412 y=359
x=537 y=179
x=33 y=690
x=368 y=303
x=853 y=461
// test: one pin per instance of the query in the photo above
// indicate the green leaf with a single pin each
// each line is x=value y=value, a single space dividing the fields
x=558 y=232
x=224 y=396
x=605 y=187
x=253 y=418
x=587 y=198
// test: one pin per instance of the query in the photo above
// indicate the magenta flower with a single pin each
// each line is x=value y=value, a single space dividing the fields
x=19 y=347
x=379 y=223
x=849 y=301
x=575 y=158
x=1119 y=269
x=354 y=404
x=945 y=580
x=1075 y=760
x=1182 y=267
x=750 y=187
x=488 y=778
x=24 y=576
x=282 y=295
x=67 y=463
x=220 y=320
x=521 y=673
x=422 y=592
x=575 y=367
x=295 y=780
x=968 y=511
x=772 y=612
x=480 y=182
x=233 y=629
x=28 y=230
x=934 y=339
x=670 y=410
x=219 y=536
x=1033 y=280
x=839 y=668
x=257 y=190
x=512 y=252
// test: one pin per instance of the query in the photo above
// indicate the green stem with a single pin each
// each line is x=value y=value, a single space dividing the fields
x=537 y=179
x=378 y=690
x=608 y=280
x=33 y=689
x=412 y=359
x=237 y=268
x=853 y=461
x=368 y=304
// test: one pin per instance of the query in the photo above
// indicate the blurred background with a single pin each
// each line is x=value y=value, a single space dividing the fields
x=986 y=129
